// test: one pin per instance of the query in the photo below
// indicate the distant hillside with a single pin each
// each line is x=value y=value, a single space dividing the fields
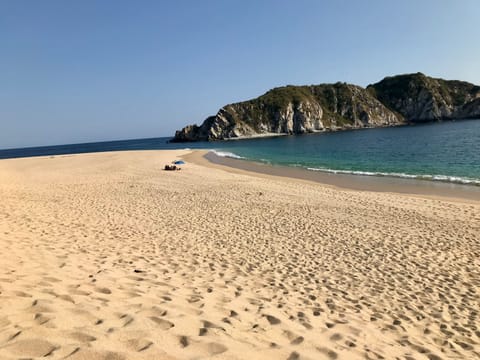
x=304 y=109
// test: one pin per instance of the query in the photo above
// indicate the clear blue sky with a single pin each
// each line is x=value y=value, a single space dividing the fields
x=91 y=70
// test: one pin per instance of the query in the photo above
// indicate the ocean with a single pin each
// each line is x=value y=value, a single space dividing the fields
x=445 y=151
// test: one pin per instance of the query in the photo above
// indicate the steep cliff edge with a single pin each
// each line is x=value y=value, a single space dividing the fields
x=421 y=98
x=305 y=109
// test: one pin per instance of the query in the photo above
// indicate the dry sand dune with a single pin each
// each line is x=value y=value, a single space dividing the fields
x=104 y=256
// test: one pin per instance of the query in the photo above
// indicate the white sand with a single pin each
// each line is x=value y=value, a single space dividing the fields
x=105 y=256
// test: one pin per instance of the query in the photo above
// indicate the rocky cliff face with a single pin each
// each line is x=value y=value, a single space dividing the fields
x=303 y=109
x=421 y=98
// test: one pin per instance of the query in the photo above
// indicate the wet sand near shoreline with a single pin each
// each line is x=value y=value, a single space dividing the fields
x=426 y=188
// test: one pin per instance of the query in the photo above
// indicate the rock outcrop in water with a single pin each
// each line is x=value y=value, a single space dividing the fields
x=304 y=109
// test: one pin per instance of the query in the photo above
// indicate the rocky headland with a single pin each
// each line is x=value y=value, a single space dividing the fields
x=395 y=100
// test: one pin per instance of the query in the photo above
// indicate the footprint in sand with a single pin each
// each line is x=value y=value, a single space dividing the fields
x=84 y=354
x=31 y=348
x=103 y=290
x=41 y=319
x=294 y=356
x=127 y=319
x=183 y=340
x=293 y=338
x=13 y=336
x=82 y=337
x=272 y=320
x=22 y=294
x=138 y=344
x=210 y=349
x=336 y=337
x=41 y=306
x=66 y=298
x=162 y=324
x=332 y=355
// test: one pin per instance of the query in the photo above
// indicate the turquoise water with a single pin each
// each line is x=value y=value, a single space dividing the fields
x=446 y=151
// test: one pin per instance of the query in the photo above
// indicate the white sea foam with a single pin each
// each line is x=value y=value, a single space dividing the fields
x=226 y=154
x=443 y=178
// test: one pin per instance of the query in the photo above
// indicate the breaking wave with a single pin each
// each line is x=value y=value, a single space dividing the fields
x=442 y=178
x=227 y=154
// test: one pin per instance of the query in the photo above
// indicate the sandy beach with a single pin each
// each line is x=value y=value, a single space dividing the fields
x=106 y=256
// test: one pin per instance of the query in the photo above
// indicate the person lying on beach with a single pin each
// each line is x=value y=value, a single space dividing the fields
x=172 y=167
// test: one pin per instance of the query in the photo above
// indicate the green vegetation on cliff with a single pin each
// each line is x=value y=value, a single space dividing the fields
x=300 y=109
x=422 y=98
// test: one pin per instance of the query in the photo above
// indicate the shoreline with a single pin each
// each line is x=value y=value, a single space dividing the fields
x=405 y=186
x=354 y=182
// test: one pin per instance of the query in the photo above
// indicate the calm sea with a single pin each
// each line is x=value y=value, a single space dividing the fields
x=446 y=151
